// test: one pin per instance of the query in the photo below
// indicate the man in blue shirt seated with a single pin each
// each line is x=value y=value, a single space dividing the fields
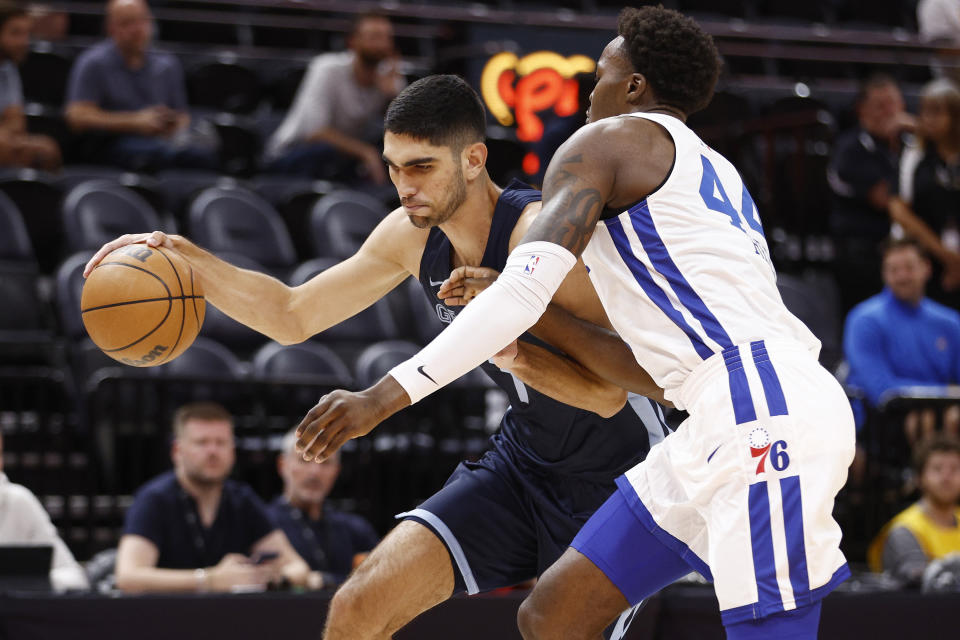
x=123 y=88
x=331 y=541
x=899 y=339
x=193 y=529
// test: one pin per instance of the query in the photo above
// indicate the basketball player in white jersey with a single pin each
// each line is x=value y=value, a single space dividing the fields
x=743 y=491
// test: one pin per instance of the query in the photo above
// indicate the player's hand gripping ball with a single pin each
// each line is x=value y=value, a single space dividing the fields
x=142 y=305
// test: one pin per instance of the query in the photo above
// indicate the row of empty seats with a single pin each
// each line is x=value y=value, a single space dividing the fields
x=273 y=220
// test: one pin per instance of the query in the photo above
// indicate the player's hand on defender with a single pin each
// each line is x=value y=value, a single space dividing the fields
x=465 y=284
x=152 y=239
x=343 y=415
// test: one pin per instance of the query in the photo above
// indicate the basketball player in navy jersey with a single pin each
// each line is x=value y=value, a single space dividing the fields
x=743 y=492
x=505 y=518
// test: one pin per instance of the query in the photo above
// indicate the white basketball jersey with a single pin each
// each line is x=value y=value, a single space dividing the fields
x=686 y=272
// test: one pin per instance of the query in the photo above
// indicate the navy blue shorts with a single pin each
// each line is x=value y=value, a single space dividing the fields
x=505 y=522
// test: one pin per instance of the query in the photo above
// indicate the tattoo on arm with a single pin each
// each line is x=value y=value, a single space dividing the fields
x=571 y=207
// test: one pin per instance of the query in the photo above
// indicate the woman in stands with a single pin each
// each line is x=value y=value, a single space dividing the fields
x=928 y=208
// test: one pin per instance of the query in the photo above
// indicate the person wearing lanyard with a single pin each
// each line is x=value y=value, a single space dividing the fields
x=332 y=542
x=193 y=529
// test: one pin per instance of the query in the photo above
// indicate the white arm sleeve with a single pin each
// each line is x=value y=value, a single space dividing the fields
x=491 y=321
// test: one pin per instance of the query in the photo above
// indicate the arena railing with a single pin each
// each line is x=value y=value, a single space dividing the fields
x=406 y=459
x=889 y=482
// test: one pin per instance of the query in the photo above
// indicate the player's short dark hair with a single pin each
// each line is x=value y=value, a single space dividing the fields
x=939 y=443
x=9 y=10
x=208 y=411
x=897 y=244
x=443 y=110
x=676 y=56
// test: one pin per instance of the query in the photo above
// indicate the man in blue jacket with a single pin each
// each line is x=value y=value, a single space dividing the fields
x=899 y=338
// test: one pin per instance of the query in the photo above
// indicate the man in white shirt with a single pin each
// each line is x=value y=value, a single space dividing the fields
x=342 y=97
x=23 y=521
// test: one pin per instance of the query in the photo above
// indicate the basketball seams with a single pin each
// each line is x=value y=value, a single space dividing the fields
x=123 y=304
x=133 y=266
x=196 y=314
x=152 y=331
x=183 y=307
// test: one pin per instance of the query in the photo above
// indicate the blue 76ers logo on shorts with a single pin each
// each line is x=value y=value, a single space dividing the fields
x=531 y=264
x=760 y=447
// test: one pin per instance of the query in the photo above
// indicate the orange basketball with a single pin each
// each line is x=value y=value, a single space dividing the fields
x=142 y=305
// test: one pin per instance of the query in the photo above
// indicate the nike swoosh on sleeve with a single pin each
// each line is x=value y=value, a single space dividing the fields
x=427 y=376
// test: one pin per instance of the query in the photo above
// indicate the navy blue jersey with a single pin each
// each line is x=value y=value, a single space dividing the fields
x=537 y=429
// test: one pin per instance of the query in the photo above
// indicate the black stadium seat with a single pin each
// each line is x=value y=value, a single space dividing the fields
x=44 y=76
x=25 y=335
x=179 y=187
x=239 y=221
x=14 y=240
x=294 y=198
x=342 y=220
x=98 y=211
x=283 y=88
x=224 y=86
x=815 y=301
x=307 y=361
x=72 y=175
x=69 y=288
x=205 y=358
x=377 y=359
x=240 y=144
x=38 y=198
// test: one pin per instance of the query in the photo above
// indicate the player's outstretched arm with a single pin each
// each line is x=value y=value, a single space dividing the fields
x=292 y=314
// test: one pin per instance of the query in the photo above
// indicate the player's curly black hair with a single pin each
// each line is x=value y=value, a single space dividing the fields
x=443 y=110
x=676 y=56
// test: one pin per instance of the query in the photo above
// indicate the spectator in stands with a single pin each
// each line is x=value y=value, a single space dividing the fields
x=938 y=21
x=930 y=529
x=928 y=208
x=23 y=521
x=899 y=339
x=17 y=147
x=334 y=125
x=863 y=176
x=193 y=529
x=123 y=88
x=49 y=24
x=331 y=541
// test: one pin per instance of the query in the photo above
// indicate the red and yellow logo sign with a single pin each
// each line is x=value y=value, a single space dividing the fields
x=517 y=89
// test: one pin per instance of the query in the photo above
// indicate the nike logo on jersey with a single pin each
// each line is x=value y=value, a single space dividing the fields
x=425 y=374
x=435 y=284
x=714 y=452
